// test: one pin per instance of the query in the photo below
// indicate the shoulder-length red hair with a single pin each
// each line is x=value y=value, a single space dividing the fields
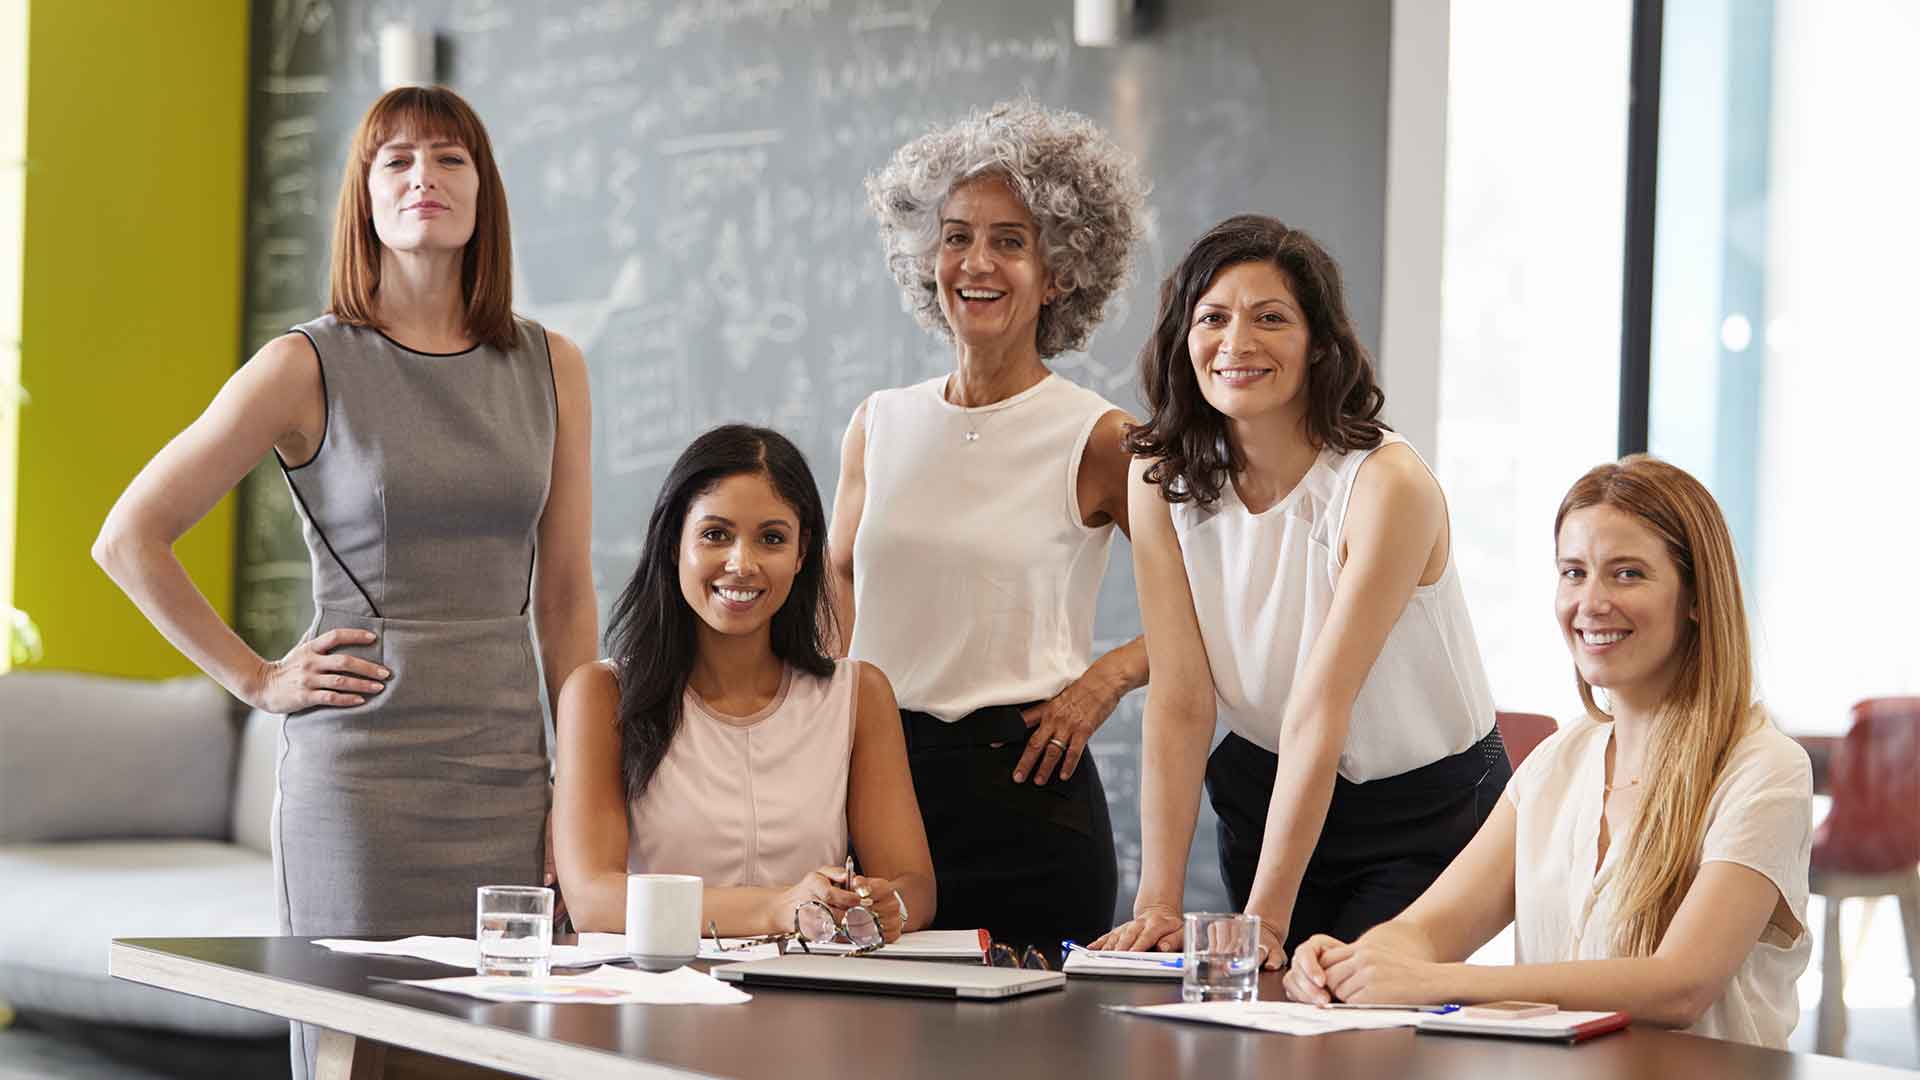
x=486 y=269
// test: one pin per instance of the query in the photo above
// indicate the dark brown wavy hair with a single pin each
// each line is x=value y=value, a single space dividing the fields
x=1186 y=437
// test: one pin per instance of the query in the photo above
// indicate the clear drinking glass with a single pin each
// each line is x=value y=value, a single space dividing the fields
x=1223 y=958
x=515 y=930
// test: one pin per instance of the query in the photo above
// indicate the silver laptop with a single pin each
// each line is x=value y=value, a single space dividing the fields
x=920 y=978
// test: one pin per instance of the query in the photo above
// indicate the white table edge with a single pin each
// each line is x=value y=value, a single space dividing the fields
x=380 y=1021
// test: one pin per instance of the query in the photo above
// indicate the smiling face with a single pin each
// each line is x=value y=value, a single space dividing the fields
x=423 y=194
x=1624 y=608
x=739 y=551
x=1249 y=343
x=990 y=274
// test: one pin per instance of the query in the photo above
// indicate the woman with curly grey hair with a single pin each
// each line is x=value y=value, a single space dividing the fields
x=975 y=513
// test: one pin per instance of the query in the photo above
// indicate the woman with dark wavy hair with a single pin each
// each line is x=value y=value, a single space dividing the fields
x=1296 y=579
x=720 y=738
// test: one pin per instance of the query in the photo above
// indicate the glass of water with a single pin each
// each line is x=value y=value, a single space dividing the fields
x=1223 y=958
x=515 y=930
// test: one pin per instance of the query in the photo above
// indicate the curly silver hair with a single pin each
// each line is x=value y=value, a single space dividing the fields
x=1085 y=193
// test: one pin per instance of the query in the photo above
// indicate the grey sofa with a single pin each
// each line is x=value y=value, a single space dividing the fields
x=129 y=809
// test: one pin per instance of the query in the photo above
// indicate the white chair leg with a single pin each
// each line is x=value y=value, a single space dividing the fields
x=1910 y=922
x=1830 y=1032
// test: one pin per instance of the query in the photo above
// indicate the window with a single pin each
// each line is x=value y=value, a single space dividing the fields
x=1784 y=374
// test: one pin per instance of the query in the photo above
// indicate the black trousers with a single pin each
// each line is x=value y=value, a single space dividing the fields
x=1033 y=864
x=1384 y=841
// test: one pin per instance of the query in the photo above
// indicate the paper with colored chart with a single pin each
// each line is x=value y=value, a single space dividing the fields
x=606 y=985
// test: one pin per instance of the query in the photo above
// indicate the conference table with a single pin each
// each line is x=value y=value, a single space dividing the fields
x=840 y=1036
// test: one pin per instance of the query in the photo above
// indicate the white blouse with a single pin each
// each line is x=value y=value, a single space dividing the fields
x=1760 y=816
x=1263 y=585
x=974 y=576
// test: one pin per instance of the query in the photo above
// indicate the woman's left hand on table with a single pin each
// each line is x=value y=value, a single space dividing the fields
x=1367 y=974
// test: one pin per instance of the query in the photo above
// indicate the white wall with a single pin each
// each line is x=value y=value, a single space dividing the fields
x=1530 y=341
x=1416 y=214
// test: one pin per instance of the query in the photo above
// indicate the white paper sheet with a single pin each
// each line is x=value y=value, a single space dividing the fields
x=465 y=952
x=603 y=986
x=1283 y=1017
x=593 y=950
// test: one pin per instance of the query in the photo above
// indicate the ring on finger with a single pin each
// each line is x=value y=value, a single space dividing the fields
x=1054 y=740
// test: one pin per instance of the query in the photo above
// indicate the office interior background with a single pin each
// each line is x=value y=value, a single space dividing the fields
x=1557 y=252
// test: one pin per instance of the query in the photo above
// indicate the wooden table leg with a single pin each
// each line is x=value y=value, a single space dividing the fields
x=342 y=1057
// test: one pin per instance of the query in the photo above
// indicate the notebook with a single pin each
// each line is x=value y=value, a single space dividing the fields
x=1114 y=964
x=919 y=945
x=916 y=978
x=1567 y=1027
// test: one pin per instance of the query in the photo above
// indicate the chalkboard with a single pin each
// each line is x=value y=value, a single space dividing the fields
x=685 y=182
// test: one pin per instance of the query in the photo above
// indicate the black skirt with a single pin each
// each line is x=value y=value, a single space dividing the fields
x=1031 y=863
x=1384 y=842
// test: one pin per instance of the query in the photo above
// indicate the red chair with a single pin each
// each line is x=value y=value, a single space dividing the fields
x=1869 y=844
x=1522 y=731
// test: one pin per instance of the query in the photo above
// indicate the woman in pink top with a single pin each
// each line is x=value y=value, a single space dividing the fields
x=720 y=738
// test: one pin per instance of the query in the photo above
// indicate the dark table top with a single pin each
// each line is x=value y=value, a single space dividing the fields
x=840 y=1036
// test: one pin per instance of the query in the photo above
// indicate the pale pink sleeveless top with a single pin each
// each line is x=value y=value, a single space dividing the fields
x=755 y=800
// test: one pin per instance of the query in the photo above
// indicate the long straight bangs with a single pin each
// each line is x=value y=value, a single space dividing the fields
x=486 y=268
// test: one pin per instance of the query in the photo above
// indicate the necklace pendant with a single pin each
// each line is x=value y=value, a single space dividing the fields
x=973 y=436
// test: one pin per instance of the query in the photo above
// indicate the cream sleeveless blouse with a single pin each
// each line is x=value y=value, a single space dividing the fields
x=755 y=800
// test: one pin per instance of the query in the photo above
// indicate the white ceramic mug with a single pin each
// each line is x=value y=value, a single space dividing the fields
x=663 y=919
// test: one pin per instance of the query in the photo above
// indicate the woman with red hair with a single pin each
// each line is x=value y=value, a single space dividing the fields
x=437 y=447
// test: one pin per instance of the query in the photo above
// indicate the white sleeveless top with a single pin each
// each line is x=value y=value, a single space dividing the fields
x=1262 y=587
x=753 y=800
x=1760 y=816
x=974 y=579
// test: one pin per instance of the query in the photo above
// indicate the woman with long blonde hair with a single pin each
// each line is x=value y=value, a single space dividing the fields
x=1652 y=854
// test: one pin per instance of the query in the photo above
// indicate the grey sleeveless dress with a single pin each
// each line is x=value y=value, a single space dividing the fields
x=420 y=510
